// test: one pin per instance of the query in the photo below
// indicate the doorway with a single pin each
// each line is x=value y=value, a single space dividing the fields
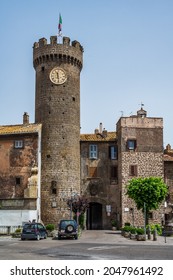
x=94 y=216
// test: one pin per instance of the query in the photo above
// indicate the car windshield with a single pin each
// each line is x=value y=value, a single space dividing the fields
x=29 y=226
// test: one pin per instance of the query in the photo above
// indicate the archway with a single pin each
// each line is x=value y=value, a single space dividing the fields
x=94 y=216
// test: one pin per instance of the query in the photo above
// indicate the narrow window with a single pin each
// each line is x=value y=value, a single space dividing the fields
x=113 y=154
x=133 y=170
x=114 y=173
x=54 y=187
x=18 y=181
x=93 y=151
x=53 y=190
x=18 y=144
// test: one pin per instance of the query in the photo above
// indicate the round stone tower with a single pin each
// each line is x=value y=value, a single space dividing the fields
x=57 y=107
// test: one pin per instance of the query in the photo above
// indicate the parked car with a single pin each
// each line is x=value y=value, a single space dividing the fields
x=33 y=231
x=67 y=228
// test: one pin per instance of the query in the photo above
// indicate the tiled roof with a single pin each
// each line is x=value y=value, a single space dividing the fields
x=111 y=136
x=20 y=128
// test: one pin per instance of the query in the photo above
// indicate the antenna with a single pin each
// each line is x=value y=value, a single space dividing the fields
x=142 y=104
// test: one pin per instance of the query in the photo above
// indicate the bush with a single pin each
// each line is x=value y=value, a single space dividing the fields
x=113 y=223
x=18 y=230
x=50 y=227
x=133 y=230
x=126 y=228
x=140 y=231
x=155 y=226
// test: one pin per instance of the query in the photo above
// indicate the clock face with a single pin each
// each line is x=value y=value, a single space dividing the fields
x=58 y=76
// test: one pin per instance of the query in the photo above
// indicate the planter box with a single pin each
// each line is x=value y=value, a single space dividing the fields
x=133 y=235
x=141 y=237
x=126 y=234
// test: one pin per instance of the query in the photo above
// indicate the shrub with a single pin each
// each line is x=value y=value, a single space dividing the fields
x=18 y=230
x=126 y=228
x=50 y=227
x=140 y=231
x=113 y=223
x=133 y=230
x=155 y=226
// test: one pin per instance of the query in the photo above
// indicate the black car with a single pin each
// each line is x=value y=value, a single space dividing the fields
x=68 y=228
x=33 y=231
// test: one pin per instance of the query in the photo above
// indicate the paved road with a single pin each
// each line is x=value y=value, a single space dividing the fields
x=93 y=245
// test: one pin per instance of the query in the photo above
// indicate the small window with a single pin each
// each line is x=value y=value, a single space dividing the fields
x=54 y=187
x=113 y=154
x=93 y=151
x=133 y=170
x=18 y=144
x=18 y=181
x=131 y=144
x=54 y=191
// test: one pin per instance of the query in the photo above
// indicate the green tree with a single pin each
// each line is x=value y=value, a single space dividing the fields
x=147 y=193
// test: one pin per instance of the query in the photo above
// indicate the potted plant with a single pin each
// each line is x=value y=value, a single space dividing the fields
x=125 y=231
x=133 y=233
x=141 y=236
x=114 y=224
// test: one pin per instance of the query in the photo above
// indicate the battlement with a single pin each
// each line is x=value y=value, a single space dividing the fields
x=53 y=41
x=64 y=52
x=138 y=122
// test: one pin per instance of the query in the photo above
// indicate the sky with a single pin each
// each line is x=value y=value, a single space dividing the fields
x=128 y=57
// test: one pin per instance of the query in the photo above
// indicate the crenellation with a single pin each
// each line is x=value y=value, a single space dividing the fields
x=53 y=40
x=66 y=41
x=59 y=53
x=42 y=42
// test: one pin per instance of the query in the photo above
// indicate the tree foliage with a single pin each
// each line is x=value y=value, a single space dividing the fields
x=79 y=205
x=151 y=191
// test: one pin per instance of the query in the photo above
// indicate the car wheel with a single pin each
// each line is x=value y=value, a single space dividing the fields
x=38 y=237
x=76 y=237
x=45 y=236
x=69 y=228
x=59 y=237
x=22 y=238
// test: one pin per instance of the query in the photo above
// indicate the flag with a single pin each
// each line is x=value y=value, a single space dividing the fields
x=60 y=23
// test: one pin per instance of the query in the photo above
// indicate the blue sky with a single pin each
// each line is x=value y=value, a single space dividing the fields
x=128 y=57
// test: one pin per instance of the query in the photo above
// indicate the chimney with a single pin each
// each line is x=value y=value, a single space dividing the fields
x=100 y=128
x=25 y=118
x=105 y=133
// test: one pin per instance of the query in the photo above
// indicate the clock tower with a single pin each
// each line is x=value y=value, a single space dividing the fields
x=57 y=107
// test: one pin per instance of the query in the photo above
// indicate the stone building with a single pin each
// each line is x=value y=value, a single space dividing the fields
x=140 y=154
x=20 y=173
x=45 y=163
x=99 y=177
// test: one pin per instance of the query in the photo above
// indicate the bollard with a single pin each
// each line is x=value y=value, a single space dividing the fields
x=149 y=233
x=155 y=235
